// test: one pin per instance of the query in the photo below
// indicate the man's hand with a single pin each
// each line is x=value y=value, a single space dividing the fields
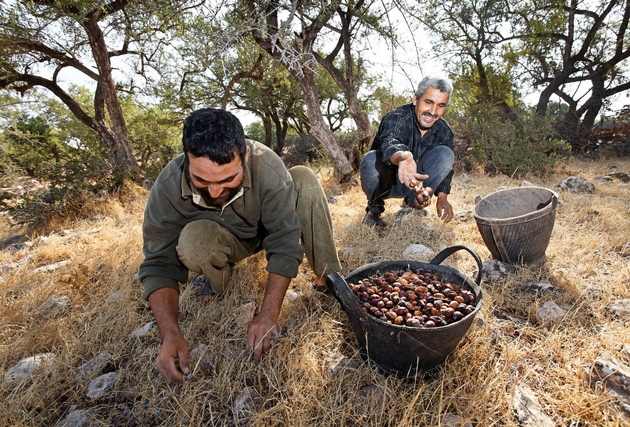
x=407 y=169
x=444 y=208
x=423 y=196
x=264 y=327
x=172 y=361
x=260 y=333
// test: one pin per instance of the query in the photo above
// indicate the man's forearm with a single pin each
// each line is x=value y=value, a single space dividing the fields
x=164 y=304
x=274 y=295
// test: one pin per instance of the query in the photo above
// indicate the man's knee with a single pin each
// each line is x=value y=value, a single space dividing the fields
x=303 y=176
x=369 y=161
x=307 y=189
x=200 y=244
x=444 y=155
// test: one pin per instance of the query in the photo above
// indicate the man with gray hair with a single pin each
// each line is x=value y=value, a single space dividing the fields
x=411 y=156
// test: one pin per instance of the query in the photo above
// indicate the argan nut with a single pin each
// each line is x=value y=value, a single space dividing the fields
x=413 y=297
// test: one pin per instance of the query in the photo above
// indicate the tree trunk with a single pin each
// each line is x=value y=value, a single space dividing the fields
x=116 y=138
x=281 y=133
x=267 y=126
x=553 y=88
x=349 y=83
x=593 y=105
x=360 y=117
x=319 y=128
x=270 y=42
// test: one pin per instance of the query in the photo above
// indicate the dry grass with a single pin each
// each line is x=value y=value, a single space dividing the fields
x=587 y=264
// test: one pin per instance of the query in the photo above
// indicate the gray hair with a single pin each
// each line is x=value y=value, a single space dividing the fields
x=440 y=83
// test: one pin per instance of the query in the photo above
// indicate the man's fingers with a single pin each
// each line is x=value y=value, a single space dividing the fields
x=170 y=370
x=261 y=346
x=183 y=363
x=257 y=345
x=172 y=362
x=445 y=213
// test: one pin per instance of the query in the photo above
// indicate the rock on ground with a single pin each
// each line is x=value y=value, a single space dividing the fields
x=26 y=367
x=528 y=410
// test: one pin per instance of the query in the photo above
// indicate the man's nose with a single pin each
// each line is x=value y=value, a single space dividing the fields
x=433 y=110
x=215 y=191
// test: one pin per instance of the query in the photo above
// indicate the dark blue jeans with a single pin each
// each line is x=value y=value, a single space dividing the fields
x=379 y=180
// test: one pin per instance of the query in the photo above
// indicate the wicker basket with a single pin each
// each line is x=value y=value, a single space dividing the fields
x=516 y=223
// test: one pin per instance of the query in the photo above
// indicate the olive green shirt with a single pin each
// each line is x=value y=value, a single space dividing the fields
x=262 y=216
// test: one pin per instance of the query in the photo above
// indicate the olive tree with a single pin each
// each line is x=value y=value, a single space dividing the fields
x=578 y=51
x=298 y=35
x=42 y=39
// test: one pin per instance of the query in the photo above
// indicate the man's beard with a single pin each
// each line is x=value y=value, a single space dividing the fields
x=225 y=197
x=205 y=195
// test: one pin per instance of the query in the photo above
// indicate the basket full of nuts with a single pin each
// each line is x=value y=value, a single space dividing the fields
x=407 y=315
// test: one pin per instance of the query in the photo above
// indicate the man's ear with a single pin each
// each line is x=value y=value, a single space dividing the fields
x=414 y=99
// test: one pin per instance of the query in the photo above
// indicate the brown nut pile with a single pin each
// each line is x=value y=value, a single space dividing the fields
x=413 y=298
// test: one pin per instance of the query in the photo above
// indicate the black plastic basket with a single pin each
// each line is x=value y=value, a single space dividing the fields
x=403 y=350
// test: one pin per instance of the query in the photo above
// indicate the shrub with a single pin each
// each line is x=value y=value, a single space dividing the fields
x=526 y=145
x=70 y=186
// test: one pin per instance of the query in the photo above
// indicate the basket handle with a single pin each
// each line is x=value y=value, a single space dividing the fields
x=445 y=253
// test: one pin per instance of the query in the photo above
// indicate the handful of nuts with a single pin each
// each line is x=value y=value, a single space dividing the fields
x=413 y=298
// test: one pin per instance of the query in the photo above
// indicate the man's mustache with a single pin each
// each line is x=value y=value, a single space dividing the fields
x=427 y=114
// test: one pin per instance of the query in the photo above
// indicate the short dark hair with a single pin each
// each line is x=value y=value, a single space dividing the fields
x=440 y=83
x=215 y=134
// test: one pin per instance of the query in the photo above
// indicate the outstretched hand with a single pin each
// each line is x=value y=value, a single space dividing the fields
x=407 y=169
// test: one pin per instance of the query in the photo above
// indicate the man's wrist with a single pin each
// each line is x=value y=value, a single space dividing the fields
x=406 y=155
x=164 y=304
x=401 y=156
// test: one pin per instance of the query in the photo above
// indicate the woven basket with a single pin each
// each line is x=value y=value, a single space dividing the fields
x=516 y=223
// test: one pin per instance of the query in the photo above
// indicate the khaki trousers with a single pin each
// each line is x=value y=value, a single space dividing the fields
x=205 y=247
